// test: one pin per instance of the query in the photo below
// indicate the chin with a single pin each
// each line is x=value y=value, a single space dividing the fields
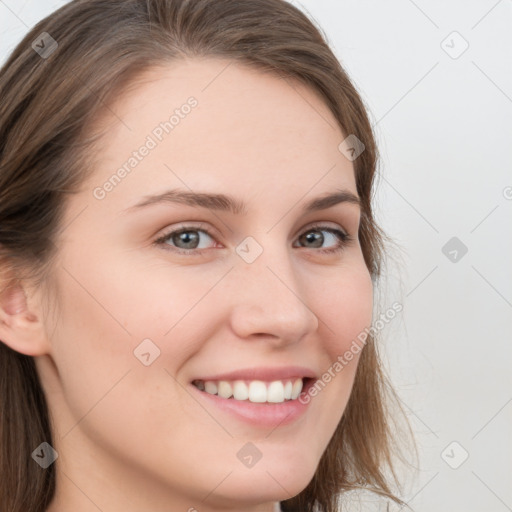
x=277 y=480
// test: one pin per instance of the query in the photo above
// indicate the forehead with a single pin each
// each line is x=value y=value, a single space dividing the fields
x=213 y=124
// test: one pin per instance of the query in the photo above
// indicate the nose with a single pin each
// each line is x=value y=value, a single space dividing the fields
x=269 y=301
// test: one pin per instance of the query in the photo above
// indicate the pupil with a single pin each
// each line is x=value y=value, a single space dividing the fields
x=187 y=239
x=315 y=236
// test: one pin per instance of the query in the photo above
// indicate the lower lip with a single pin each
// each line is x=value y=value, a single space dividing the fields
x=265 y=414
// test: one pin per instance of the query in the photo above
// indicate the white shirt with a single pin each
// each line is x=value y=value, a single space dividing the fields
x=277 y=507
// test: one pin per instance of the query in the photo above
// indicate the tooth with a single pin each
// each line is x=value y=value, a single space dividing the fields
x=288 y=390
x=275 y=392
x=297 y=388
x=210 y=387
x=240 y=390
x=257 y=391
x=225 y=390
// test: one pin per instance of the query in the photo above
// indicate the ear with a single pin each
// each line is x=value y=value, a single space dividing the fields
x=21 y=323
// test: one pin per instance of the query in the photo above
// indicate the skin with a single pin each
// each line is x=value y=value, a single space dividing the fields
x=130 y=437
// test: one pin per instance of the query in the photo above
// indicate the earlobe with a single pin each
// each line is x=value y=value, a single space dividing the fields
x=21 y=329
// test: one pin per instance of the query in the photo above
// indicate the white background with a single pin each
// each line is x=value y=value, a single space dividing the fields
x=444 y=127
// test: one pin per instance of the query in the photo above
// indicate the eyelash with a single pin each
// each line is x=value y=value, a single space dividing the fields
x=344 y=239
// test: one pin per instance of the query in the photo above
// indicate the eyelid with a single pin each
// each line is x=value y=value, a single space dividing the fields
x=186 y=226
x=323 y=225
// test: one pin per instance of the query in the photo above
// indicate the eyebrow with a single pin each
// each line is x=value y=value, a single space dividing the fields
x=223 y=202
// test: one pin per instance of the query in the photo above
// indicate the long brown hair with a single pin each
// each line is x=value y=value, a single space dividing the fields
x=49 y=102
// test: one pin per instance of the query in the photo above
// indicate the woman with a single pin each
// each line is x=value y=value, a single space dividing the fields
x=188 y=255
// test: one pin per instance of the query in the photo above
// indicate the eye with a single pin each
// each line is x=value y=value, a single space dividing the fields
x=187 y=239
x=313 y=236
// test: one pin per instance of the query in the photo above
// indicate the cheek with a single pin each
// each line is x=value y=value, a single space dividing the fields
x=107 y=310
x=346 y=307
x=90 y=345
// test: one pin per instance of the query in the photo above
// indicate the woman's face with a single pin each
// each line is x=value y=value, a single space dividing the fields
x=142 y=312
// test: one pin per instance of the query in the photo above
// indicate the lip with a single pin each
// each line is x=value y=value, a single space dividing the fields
x=264 y=373
x=264 y=415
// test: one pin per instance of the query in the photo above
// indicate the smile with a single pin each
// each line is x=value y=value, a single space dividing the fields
x=260 y=403
x=255 y=391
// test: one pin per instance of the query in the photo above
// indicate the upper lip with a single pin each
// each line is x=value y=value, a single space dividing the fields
x=263 y=373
